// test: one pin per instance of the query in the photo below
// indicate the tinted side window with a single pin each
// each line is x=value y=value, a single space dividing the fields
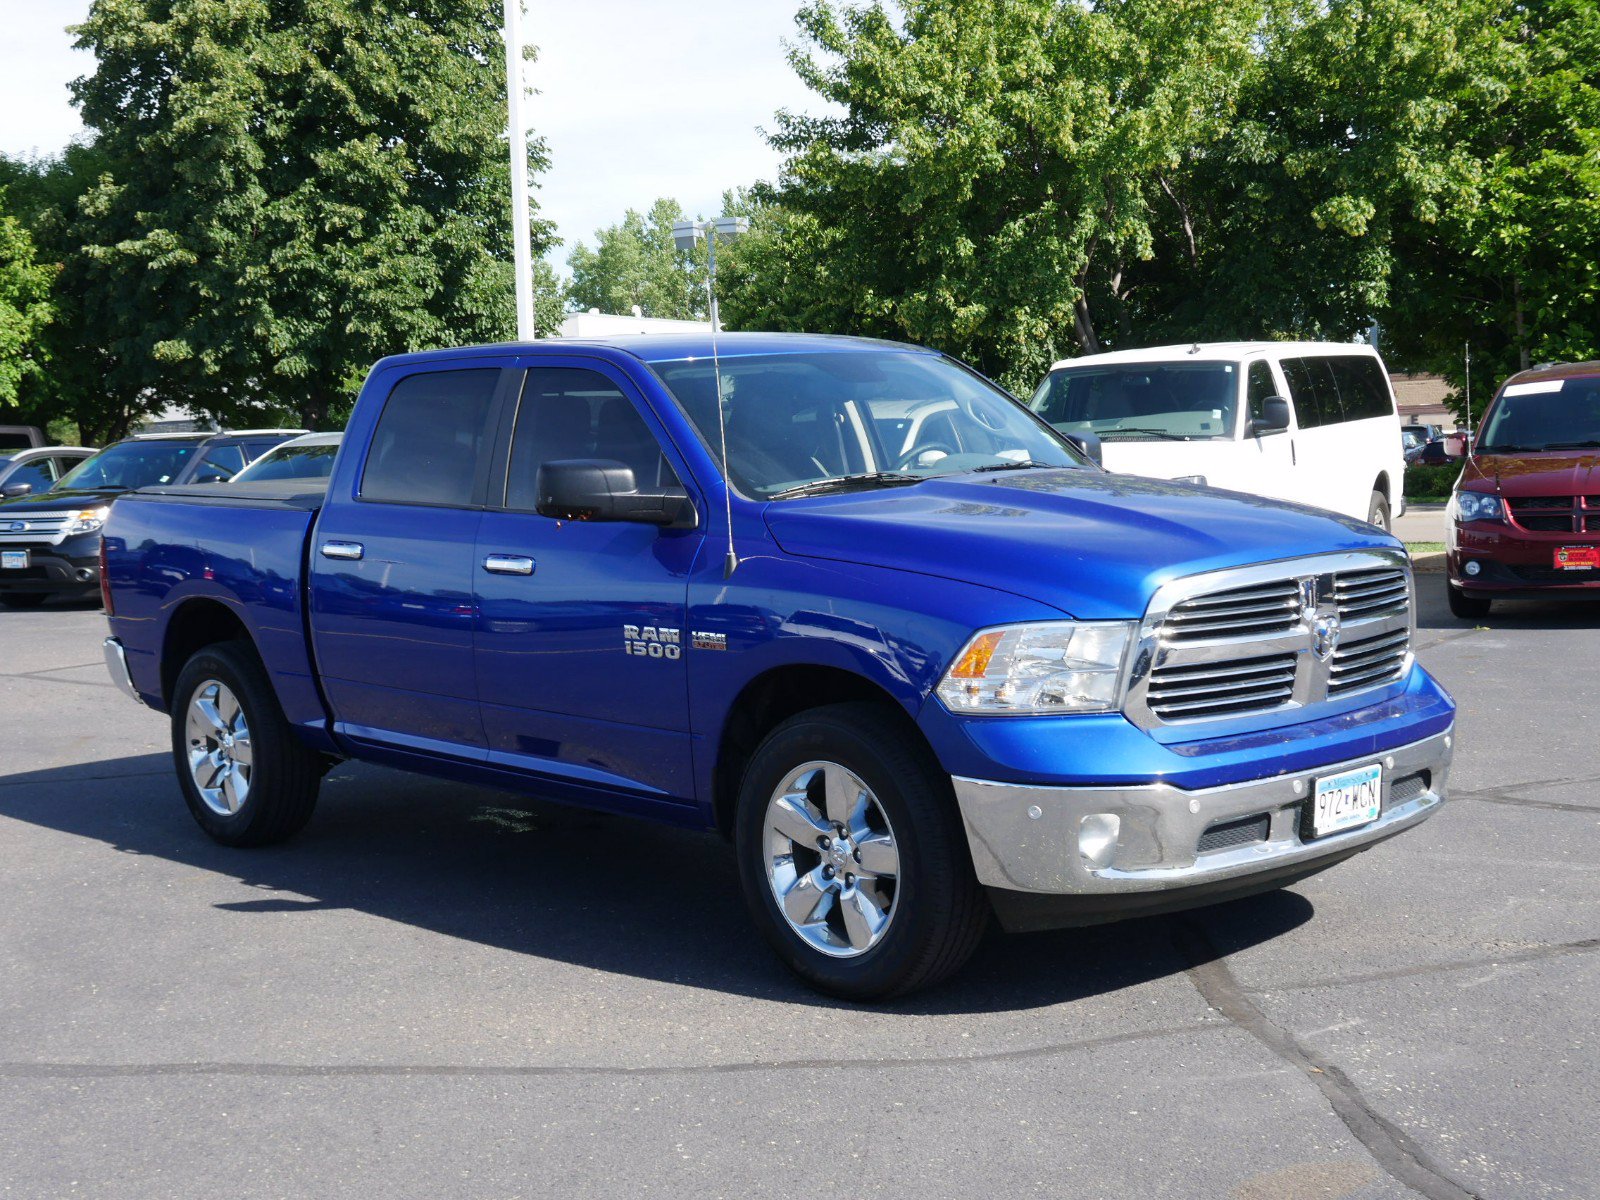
x=1363 y=389
x=431 y=438
x=1313 y=390
x=36 y=472
x=1258 y=386
x=220 y=461
x=567 y=412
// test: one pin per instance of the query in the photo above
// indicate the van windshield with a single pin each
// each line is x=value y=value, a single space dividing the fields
x=800 y=423
x=1183 y=401
x=1563 y=414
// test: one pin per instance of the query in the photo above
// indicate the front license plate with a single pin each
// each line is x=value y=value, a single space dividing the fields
x=1345 y=801
x=13 y=560
x=1578 y=558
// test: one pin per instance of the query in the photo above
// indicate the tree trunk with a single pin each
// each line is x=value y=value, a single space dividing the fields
x=1084 y=325
x=1522 y=330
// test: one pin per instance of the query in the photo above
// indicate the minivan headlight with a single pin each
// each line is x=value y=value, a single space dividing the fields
x=1476 y=506
x=87 y=520
x=1040 y=667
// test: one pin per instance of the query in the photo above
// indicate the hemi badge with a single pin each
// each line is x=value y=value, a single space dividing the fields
x=708 y=641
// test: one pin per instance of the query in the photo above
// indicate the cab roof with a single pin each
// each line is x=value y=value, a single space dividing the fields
x=670 y=347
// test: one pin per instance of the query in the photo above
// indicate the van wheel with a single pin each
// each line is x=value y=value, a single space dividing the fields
x=852 y=855
x=1463 y=605
x=1378 y=512
x=247 y=778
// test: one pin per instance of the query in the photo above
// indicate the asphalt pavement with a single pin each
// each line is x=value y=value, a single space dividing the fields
x=439 y=991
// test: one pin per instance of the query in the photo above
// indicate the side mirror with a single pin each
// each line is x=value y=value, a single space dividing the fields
x=12 y=490
x=210 y=477
x=1274 y=417
x=599 y=489
x=1456 y=445
x=1087 y=442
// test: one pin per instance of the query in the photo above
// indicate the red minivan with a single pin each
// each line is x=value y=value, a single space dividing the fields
x=1525 y=515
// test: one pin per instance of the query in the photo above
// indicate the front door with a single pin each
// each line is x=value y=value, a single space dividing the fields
x=581 y=639
x=392 y=569
x=1268 y=459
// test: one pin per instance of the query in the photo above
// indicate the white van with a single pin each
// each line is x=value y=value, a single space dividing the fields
x=1312 y=422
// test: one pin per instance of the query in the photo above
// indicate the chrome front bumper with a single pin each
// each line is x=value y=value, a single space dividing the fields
x=1055 y=841
x=117 y=666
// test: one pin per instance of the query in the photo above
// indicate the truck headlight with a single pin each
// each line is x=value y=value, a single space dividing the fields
x=87 y=520
x=1040 y=667
x=1476 y=506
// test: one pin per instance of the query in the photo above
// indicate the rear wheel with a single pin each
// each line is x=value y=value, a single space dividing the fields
x=23 y=599
x=1378 y=512
x=1463 y=605
x=248 y=780
x=852 y=855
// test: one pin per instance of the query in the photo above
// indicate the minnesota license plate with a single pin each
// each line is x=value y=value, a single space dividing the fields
x=1577 y=558
x=13 y=560
x=1346 y=801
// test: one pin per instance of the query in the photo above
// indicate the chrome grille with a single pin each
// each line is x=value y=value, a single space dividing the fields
x=1237 y=612
x=1222 y=689
x=1257 y=640
x=1368 y=662
x=36 y=527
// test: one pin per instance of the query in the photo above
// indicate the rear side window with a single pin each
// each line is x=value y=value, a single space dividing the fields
x=1363 y=388
x=567 y=412
x=1313 y=390
x=431 y=438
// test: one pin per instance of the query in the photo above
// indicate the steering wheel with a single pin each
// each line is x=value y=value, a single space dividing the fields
x=909 y=458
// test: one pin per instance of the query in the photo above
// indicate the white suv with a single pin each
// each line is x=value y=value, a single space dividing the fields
x=1311 y=422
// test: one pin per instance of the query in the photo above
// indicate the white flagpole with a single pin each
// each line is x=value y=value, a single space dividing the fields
x=522 y=253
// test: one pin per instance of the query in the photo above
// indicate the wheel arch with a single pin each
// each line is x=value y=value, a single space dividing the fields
x=196 y=623
x=773 y=697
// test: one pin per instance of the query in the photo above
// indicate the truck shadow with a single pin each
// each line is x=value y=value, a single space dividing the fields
x=604 y=892
x=1433 y=612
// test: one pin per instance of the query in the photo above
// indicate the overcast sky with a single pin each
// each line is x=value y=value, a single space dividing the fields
x=635 y=100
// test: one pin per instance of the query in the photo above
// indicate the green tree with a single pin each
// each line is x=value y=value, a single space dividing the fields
x=992 y=159
x=24 y=304
x=636 y=262
x=295 y=188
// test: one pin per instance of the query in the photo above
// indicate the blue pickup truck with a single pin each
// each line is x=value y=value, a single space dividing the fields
x=911 y=650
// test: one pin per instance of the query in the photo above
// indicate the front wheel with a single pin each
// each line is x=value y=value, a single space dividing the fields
x=248 y=780
x=1378 y=512
x=852 y=855
x=1463 y=605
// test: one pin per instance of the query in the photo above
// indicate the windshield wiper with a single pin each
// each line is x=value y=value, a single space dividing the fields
x=1026 y=464
x=1158 y=433
x=1589 y=445
x=818 y=486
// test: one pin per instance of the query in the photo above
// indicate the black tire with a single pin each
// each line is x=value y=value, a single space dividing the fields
x=23 y=599
x=940 y=912
x=285 y=775
x=1463 y=605
x=1378 y=512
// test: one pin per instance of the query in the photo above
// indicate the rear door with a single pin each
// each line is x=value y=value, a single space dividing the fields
x=391 y=572
x=581 y=642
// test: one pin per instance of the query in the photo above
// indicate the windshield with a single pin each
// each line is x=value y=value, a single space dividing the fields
x=291 y=462
x=1142 y=401
x=129 y=465
x=1551 y=414
x=857 y=418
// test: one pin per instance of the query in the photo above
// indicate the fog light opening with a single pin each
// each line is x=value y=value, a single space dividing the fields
x=1097 y=838
x=1472 y=568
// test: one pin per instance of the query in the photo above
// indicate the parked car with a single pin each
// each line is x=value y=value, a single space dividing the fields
x=909 y=688
x=307 y=457
x=1525 y=515
x=1311 y=422
x=50 y=540
x=20 y=437
x=1422 y=433
x=36 y=470
x=1442 y=453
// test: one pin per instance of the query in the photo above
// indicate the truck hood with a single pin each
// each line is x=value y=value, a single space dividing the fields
x=1094 y=545
x=1542 y=473
x=55 y=501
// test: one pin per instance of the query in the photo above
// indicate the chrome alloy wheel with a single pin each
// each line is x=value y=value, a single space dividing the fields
x=220 y=759
x=832 y=862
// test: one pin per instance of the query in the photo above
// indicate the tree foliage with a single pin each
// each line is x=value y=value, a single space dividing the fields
x=294 y=189
x=636 y=262
x=24 y=304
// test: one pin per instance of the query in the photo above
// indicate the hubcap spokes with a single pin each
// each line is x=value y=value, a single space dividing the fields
x=832 y=861
x=220 y=754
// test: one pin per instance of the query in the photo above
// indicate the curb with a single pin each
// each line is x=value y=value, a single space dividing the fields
x=1431 y=563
